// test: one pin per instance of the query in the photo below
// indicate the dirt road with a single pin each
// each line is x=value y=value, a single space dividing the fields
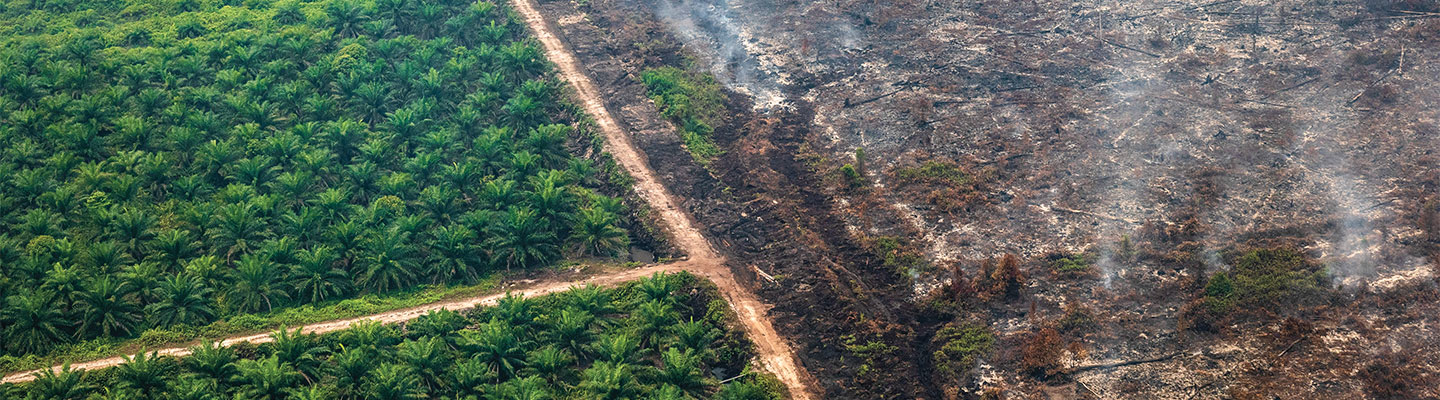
x=774 y=351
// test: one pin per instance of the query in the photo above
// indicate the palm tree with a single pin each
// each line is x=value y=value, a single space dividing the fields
x=498 y=194
x=104 y=308
x=522 y=56
x=289 y=13
x=522 y=240
x=521 y=111
x=468 y=377
x=682 y=369
x=66 y=384
x=554 y=363
x=211 y=360
x=514 y=310
x=442 y=324
x=66 y=283
x=265 y=379
x=428 y=357
x=346 y=17
x=440 y=201
x=498 y=346
x=184 y=299
x=315 y=277
x=742 y=390
x=133 y=227
x=174 y=245
x=669 y=392
x=527 y=388
x=386 y=262
x=299 y=351
x=238 y=227
x=591 y=298
x=317 y=392
x=142 y=279
x=147 y=375
x=548 y=141
x=32 y=323
x=190 y=388
x=695 y=335
x=595 y=233
x=571 y=330
x=370 y=335
x=617 y=347
x=609 y=381
x=453 y=255
x=393 y=382
x=256 y=285
x=658 y=287
x=350 y=365
x=552 y=202
x=462 y=175
x=651 y=320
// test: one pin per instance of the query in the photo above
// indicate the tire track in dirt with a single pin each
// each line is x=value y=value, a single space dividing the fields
x=774 y=351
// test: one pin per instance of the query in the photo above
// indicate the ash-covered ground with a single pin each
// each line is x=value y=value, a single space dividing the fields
x=1197 y=128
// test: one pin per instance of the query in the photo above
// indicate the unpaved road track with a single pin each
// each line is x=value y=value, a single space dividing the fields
x=774 y=351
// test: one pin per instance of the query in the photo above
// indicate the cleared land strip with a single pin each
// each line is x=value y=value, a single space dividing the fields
x=774 y=351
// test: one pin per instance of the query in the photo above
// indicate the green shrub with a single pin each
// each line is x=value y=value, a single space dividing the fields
x=852 y=176
x=1266 y=277
x=959 y=346
x=1073 y=264
x=693 y=102
x=938 y=172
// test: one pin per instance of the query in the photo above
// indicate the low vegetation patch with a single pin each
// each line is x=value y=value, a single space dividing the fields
x=1073 y=264
x=899 y=256
x=649 y=339
x=934 y=172
x=1266 y=277
x=948 y=185
x=692 y=101
x=958 y=347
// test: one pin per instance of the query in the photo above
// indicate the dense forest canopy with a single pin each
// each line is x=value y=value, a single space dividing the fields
x=169 y=163
x=662 y=338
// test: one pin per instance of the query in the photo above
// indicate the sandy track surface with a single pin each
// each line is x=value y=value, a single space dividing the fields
x=774 y=351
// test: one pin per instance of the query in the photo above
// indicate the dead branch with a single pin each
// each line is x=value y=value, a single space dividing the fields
x=1166 y=357
x=1096 y=215
x=849 y=104
x=1113 y=43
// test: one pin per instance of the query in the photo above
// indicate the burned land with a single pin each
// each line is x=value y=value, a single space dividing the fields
x=1063 y=199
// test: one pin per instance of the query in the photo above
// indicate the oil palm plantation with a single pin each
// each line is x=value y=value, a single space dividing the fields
x=183 y=299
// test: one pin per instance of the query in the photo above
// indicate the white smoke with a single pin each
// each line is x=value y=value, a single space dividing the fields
x=710 y=28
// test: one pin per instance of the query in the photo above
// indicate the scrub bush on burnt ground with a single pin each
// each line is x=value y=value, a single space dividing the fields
x=693 y=102
x=947 y=185
x=1262 y=279
x=656 y=338
x=170 y=164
